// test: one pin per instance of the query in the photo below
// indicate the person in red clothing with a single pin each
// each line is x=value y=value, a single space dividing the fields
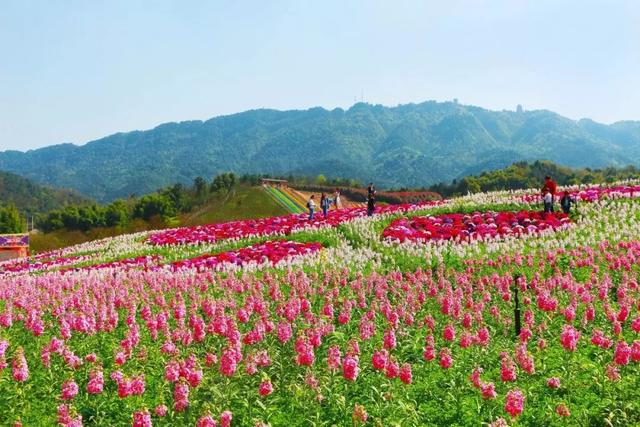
x=550 y=186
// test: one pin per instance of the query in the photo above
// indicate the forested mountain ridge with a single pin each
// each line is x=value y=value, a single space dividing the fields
x=32 y=198
x=412 y=145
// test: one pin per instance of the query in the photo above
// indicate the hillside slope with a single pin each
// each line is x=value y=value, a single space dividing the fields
x=31 y=198
x=242 y=202
x=411 y=145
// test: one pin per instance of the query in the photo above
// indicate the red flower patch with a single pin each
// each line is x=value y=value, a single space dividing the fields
x=472 y=226
x=271 y=252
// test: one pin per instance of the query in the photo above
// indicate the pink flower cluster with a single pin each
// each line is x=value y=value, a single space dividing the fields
x=283 y=225
x=271 y=252
x=473 y=226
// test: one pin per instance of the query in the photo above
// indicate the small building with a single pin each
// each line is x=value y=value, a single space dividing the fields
x=278 y=183
x=14 y=246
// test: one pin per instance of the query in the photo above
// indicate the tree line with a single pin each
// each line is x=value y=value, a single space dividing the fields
x=166 y=203
x=531 y=175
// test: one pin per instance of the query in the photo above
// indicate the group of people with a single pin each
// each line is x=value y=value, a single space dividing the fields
x=325 y=203
x=549 y=190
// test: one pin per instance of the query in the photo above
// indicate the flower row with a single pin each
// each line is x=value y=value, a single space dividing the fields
x=479 y=225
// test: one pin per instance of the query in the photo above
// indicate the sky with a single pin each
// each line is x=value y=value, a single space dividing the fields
x=75 y=71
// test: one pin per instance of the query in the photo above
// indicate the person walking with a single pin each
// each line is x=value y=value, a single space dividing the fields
x=547 y=199
x=371 y=204
x=371 y=190
x=550 y=186
x=566 y=202
x=336 y=200
x=311 y=205
x=324 y=204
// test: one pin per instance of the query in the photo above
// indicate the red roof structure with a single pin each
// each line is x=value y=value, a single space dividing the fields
x=14 y=246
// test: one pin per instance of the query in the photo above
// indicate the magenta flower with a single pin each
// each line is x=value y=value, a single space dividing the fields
x=225 y=419
x=405 y=373
x=514 y=402
x=266 y=388
x=69 y=390
x=350 y=368
x=142 y=419
x=20 y=367
x=553 y=382
x=569 y=338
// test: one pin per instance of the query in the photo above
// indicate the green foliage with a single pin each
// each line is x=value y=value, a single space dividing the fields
x=154 y=204
x=412 y=145
x=531 y=175
x=11 y=221
x=223 y=182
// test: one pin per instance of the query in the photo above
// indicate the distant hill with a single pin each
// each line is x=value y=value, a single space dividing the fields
x=531 y=175
x=32 y=198
x=411 y=145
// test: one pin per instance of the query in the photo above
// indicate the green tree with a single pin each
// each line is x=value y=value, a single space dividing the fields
x=11 y=221
x=199 y=185
x=117 y=214
x=154 y=204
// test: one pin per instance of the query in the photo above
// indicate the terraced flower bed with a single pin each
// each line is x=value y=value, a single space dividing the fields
x=335 y=324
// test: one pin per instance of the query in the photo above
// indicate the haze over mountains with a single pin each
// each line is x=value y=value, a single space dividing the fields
x=410 y=145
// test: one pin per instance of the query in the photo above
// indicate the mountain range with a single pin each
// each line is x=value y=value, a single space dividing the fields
x=412 y=145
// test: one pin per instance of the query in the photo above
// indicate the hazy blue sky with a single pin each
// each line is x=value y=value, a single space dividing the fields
x=73 y=71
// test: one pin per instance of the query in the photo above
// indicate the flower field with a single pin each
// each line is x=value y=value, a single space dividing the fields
x=479 y=310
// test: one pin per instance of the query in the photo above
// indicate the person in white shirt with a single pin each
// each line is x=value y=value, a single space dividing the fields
x=548 y=201
x=311 y=205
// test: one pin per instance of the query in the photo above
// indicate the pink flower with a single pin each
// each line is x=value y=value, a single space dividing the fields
x=507 y=369
x=228 y=362
x=389 y=340
x=392 y=370
x=359 y=414
x=20 y=367
x=429 y=353
x=379 y=359
x=405 y=374
x=350 y=368
x=612 y=372
x=488 y=391
x=569 y=337
x=553 y=382
x=446 y=361
x=225 y=419
x=284 y=332
x=120 y=358
x=500 y=422
x=180 y=396
x=69 y=390
x=514 y=402
x=96 y=382
x=137 y=385
x=622 y=354
x=635 y=351
x=475 y=377
x=141 y=419
x=206 y=421
x=449 y=332
x=334 y=358
x=562 y=410
x=161 y=410
x=210 y=359
x=266 y=388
